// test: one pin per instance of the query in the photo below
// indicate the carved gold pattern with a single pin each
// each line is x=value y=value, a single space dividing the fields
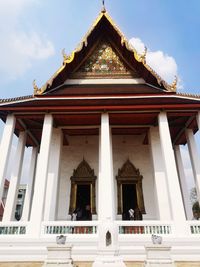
x=83 y=170
x=83 y=174
x=128 y=174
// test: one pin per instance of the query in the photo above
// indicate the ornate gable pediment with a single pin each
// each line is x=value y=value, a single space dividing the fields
x=104 y=62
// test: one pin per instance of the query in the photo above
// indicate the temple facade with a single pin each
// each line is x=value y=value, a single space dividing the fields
x=105 y=132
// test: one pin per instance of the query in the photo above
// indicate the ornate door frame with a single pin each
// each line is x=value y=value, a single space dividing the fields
x=83 y=174
x=128 y=174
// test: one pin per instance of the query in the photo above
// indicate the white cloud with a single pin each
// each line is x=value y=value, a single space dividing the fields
x=137 y=44
x=160 y=62
x=19 y=48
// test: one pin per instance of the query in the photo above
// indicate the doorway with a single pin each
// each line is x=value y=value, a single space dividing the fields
x=83 y=188
x=83 y=202
x=83 y=195
x=129 y=199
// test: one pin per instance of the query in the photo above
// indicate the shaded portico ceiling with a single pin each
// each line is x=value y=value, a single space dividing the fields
x=104 y=74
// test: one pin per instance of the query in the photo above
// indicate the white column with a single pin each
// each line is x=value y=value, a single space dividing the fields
x=195 y=159
x=53 y=176
x=198 y=120
x=162 y=200
x=183 y=183
x=106 y=199
x=37 y=211
x=30 y=184
x=106 y=181
x=9 y=211
x=6 y=142
x=177 y=207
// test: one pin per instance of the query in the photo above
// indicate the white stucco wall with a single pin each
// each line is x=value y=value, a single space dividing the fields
x=124 y=147
x=78 y=148
x=131 y=147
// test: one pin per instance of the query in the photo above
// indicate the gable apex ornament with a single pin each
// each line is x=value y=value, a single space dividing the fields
x=103 y=10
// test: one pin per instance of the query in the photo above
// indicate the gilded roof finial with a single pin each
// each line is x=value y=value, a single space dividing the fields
x=103 y=7
x=173 y=86
x=35 y=87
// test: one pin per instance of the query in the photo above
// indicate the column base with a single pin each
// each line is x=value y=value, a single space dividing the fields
x=158 y=256
x=59 y=255
x=108 y=258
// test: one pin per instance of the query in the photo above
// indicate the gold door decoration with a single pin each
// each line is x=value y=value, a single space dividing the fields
x=128 y=174
x=83 y=174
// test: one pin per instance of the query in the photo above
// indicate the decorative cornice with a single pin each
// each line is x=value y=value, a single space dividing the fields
x=16 y=99
x=32 y=97
x=195 y=96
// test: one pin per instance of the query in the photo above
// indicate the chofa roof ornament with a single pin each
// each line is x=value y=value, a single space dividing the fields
x=67 y=58
x=36 y=88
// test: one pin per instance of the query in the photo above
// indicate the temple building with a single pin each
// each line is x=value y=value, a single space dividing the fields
x=105 y=132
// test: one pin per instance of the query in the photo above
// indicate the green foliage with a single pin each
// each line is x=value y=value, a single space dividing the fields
x=195 y=204
x=196 y=207
x=196 y=210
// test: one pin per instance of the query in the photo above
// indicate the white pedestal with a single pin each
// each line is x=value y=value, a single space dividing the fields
x=108 y=258
x=59 y=255
x=158 y=256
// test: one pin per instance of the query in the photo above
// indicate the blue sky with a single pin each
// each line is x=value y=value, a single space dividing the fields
x=33 y=33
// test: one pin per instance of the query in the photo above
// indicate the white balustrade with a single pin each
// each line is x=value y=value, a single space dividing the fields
x=70 y=227
x=145 y=227
x=91 y=228
x=13 y=228
x=194 y=227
